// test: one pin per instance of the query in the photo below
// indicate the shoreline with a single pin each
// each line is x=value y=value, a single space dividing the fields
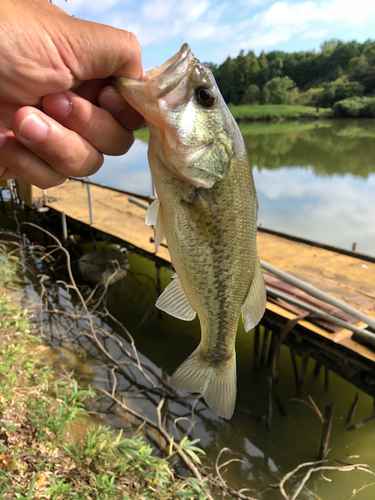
x=278 y=112
x=50 y=444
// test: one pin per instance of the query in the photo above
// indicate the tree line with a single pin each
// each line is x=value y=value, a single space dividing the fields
x=339 y=70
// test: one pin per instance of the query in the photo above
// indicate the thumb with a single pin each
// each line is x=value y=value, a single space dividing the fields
x=98 y=51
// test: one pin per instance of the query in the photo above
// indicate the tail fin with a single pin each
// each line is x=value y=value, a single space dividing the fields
x=216 y=384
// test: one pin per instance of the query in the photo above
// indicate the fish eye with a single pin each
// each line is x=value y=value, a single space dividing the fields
x=205 y=97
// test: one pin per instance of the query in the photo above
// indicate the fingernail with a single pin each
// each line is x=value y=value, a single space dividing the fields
x=2 y=139
x=57 y=105
x=112 y=100
x=33 y=128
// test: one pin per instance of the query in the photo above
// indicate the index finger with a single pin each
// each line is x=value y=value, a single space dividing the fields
x=101 y=51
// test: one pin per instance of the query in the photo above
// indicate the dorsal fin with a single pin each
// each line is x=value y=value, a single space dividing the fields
x=174 y=301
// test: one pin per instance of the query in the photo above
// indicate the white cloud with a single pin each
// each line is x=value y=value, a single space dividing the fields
x=226 y=28
x=253 y=3
x=326 y=209
x=284 y=20
x=157 y=10
x=161 y=20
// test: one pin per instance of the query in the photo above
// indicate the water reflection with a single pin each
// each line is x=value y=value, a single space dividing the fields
x=129 y=172
x=314 y=179
x=163 y=342
x=326 y=148
x=334 y=210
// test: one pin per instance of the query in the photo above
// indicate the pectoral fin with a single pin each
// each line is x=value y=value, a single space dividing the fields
x=174 y=301
x=155 y=218
x=201 y=215
x=255 y=303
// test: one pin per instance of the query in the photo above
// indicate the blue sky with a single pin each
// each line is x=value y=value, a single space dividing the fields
x=215 y=29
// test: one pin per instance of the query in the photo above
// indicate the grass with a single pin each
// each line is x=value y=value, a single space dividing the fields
x=281 y=127
x=38 y=456
x=277 y=112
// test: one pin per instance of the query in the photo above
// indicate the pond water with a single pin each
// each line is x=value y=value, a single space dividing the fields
x=164 y=342
x=315 y=179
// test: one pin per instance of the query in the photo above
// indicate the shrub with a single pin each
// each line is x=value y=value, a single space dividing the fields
x=348 y=89
x=355 y=107
x=252 y=95
x=277 y=91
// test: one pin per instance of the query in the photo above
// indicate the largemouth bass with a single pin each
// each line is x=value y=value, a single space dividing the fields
x=207 y=210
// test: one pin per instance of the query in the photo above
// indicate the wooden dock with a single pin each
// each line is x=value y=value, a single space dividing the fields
x=345 y=277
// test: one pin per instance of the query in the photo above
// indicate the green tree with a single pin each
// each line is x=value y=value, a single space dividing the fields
x=252 y=95
x=348 y=89
x=369 y=51
x=326 y=98
x=358 y=68
x=277 y=91
x=211 y=66
x=225 y=79
x=262 y=60
x=245 y=71
x=301 y=68
x=348 y=61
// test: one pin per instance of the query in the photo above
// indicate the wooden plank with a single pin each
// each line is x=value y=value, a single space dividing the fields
x=25 y=192
x=342 y=337
x=346 y=278
x=112 y=213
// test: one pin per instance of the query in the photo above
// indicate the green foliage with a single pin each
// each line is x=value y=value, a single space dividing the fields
x=58 y=487
x=277 y=91
x=192 y=450
x=133 y=458
x=68 y=408
x=325 y=146
x=346 y=89
x=348 y=61
x=355 y=107
x=326 y=98
x=105 y=465
x=143 y=134
x=30 y=492
x=9 y=266
x=252 y=95
x=276 y=112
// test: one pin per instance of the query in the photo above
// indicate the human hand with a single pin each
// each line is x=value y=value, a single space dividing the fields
x=54 y=69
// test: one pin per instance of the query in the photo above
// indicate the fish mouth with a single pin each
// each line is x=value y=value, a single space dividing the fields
x=163 y=79
x=170 y=65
